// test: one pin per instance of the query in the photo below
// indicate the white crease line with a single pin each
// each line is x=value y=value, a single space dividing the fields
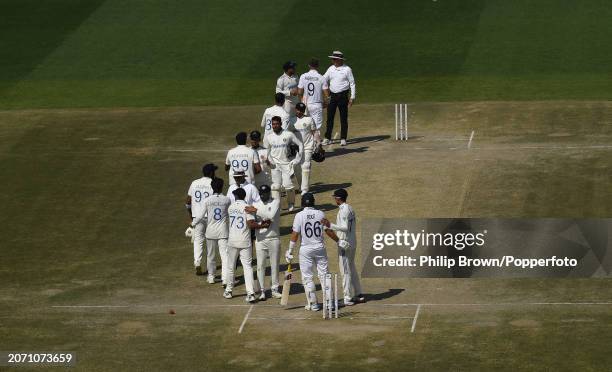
x=154 y=305
x=502 y=304
x=193 y=150
x=416 y=316
x=368 y=304
x=246 y=317
x=470 y=141
x=341 y=317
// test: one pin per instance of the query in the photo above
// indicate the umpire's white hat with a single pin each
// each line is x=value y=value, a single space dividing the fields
x=336 y=54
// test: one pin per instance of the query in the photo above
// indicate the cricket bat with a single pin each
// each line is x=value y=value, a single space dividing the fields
x=286 y=286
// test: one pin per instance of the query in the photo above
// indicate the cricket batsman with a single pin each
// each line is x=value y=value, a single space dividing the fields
x=277 y=144
x=307 y=227
x=345 y=228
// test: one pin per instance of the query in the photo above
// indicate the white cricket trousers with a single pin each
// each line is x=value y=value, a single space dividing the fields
x=350 y=277
x=245 y=258
x=221 y=244
x=311 y=257
x=199 y=236
x=315 y=111
x=269 y=248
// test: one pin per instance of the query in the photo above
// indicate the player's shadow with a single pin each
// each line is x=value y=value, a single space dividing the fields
x=319 y=187
x=368 y=139
x=322 y=207
x=384 y=295
x=345 y=151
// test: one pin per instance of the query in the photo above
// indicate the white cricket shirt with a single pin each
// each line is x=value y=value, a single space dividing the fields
x=239 y=232
x=313 y=84
x=340 y=79
x=241 y=158
x=308 y=224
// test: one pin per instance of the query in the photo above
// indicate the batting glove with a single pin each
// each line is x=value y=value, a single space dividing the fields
x=288 y=256
x=343 y=244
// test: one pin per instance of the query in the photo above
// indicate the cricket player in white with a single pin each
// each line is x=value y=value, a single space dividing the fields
x=277 y=144
x=239 y=244
x=252 y=194
x=216 y=207
x=307 y=226
x=345 y=228
x=311 y=87
x=198 y=191
x=276 y=110
x=309 y=135
x=267 y=244
x=264 y=177
x=287 y=84
x=242 y=159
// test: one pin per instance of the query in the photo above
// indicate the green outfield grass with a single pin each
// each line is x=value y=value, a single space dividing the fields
x=95 y=53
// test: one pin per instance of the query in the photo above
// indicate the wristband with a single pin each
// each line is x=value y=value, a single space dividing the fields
x=291 y=245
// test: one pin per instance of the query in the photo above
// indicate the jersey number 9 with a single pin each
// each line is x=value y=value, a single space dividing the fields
x=311 y=89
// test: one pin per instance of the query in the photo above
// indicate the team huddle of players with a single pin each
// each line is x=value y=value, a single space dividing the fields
x=259 y=174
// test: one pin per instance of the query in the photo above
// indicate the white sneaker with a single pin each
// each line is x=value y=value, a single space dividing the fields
x=343 y=142
x=276 y=293
x=291 y=207
x=348 y=302
x=315 y=307
x=325 y=142
x=227 y=294
x=250 y=298
x=211 y=279
x=262 y=296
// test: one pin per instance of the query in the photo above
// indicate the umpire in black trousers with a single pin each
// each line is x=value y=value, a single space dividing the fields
x=341 y=89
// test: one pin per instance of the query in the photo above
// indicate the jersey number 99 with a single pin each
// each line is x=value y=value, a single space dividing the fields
x=240 y=165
